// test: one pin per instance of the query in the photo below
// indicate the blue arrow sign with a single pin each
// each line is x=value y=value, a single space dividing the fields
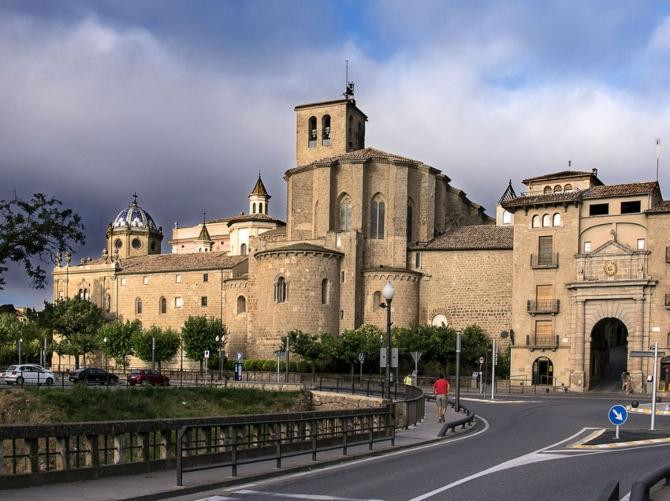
x=617 y=415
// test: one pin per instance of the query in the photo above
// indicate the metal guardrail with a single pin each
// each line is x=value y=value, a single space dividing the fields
x=468 y=420
x=640 y=488
x=250 y=441
x=610 y=493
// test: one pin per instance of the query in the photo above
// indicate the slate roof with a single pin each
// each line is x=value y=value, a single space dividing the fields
x=180 y=262
x=475 y=237
x=509 y=193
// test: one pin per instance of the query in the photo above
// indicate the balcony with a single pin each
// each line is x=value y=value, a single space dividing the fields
x=543 y=306
x=544 y=261
x=542 y=342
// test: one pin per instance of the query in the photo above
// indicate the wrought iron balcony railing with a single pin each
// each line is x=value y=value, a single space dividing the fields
x=542 y=341
x=544 y=260
x=543 y=306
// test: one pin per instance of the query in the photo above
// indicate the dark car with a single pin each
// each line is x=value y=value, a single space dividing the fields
x=91 y=375
x=147 y=376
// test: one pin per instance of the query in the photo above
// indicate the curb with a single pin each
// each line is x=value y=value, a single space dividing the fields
x=174 y=492
x=646 y=411
x=581 y=444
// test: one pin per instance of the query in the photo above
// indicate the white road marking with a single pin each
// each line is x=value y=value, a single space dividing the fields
x=488 y=401
x=302 y=496
x=531 y=457
x=218 y=498
x=366 y=460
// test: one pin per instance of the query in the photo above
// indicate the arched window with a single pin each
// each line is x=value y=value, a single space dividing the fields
x=325 y=130
x=162 y=306
x=439 y=320
x=108 y=302
x=377 y=217
x=241 y=304
x=507 y=217
x=324 y=291
x=536 y=221
x=558 y=188
x=556 y=219
x=567 y=187
x=253 y=208
x=410 y=216
x=547 y=190
x=138 y=306
x=345 y=213
x=260 y=208
x=281 y=290
x=546 y=220
x=243 y=249
x=376 y=300
x=311 y=132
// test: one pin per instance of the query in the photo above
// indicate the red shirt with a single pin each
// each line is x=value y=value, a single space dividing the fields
x=441 y=387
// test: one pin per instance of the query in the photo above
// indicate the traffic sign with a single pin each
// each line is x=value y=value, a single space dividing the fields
x=617 y=415
x=481 y=360
x=382 y=357
x=646 y=354
x=361 y=357
x=394 y=357
x=239 y=356
x=206 y=353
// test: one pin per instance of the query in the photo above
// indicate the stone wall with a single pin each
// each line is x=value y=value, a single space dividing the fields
x=331 y=401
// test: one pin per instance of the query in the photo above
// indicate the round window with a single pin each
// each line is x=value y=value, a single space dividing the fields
x=440 y=320
x=118 y=243
x=136 y=243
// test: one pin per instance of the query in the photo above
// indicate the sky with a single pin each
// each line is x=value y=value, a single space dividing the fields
x=184 y=102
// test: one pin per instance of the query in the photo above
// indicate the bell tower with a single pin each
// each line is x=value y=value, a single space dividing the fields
x=329 y=128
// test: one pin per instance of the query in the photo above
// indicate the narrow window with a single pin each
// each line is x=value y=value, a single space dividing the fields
x=241 y=304
x=123 y=281
x=630 y=207
x=341 y=314
x=377 y=215
x=108 y=302
x=536 y=221
x=253 y=208
x=546 y=220
x=325 y=130
x=544 y=331
x=410 y=215
x=86 y=295
x=324 y=291
x=311 y=132
x=280 y=290
x=587 y=247
x=345 y=213
x=376 y=300
x=545 y=251
x=145 y=280
x=138 y=306
x=640 y=244
x=556 y=219
x=342 y=277
x=547 y=190
x=205 y=277
x=417 y=260
x=203 y=301
x=599 y=209
x=243 y=249
x=260 y=208
x=178 y=278
x=162 y=306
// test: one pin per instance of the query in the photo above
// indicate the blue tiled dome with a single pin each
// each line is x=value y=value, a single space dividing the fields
x=134 y=217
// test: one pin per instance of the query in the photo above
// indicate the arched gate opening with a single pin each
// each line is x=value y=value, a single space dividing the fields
x=609 y=354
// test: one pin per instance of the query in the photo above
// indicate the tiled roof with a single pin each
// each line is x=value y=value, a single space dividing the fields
x=220 y=220
x=180 y=262
x=253 y=217
x=663 y=206
x=300 y=246
x=259 y=188
x=550 y=198
x=558 y=175
x=362 y=155
x=276 y=232
x=481 y=236
x=621 y=190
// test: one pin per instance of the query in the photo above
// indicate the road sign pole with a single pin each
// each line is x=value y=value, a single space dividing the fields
x=493 y=371
x=653 y=391
x=457 y=400
x=616 y=433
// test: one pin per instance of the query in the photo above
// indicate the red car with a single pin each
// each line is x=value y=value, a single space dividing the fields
x=147 y=376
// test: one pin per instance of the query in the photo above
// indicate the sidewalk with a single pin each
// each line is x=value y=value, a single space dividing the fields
x=162 y=484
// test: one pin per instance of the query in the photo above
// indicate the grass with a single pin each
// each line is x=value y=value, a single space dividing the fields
x=33 y=405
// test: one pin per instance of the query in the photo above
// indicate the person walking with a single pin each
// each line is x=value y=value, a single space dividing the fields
x=441 y=388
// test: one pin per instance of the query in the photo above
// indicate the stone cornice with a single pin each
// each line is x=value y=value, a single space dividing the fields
x=603 y=284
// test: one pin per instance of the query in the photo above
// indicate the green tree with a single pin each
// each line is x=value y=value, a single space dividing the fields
x=443 y=345
x=199 y=334
x=307 y=346
x=167 y=344
x=78 y=321
x=36 y=230
x=411 y=339
x=13 y=329
x=474 y=344
x=116 y=340
x=346 y=347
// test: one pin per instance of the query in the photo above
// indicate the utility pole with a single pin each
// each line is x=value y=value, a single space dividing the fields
x=653 y=391
x=288 y=343
x=494 y=361
x=153 y=353
x=457 y=401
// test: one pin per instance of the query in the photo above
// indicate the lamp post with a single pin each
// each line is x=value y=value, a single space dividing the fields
x=220 y=341
x=457 y=399
x=388 y=296
x=104 y=352
x=20 y=341
x=153 y=353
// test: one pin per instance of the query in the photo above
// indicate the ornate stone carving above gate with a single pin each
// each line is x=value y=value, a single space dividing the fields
x=612 y=261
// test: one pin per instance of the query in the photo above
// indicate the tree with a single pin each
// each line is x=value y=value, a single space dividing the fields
x=474 y=344
x=78 y=321
x=307 y=346
x=443 y=345
x=167 y=343
x=36 y=229
x=116 y=340
x=199 y=334
x=346 y=347
x=412 y=339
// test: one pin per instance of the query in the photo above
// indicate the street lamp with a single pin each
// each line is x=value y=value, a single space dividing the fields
x=20 y=341
x=457 y=400
x=220 y=341
x=388 y=292
x=104 y=352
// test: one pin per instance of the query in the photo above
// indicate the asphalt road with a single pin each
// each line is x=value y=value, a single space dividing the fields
x=474 y=468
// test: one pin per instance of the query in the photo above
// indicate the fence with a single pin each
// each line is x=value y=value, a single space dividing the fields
x=38 y=454
x=257 y=440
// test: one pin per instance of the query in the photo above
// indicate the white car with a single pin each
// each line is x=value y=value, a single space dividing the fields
x=28 y=374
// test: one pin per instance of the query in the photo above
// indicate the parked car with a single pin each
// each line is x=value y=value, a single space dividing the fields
x=92 y=375
x=28 y=374
x=147 y=376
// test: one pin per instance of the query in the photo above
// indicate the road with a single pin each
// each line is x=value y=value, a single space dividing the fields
x=512 y=456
